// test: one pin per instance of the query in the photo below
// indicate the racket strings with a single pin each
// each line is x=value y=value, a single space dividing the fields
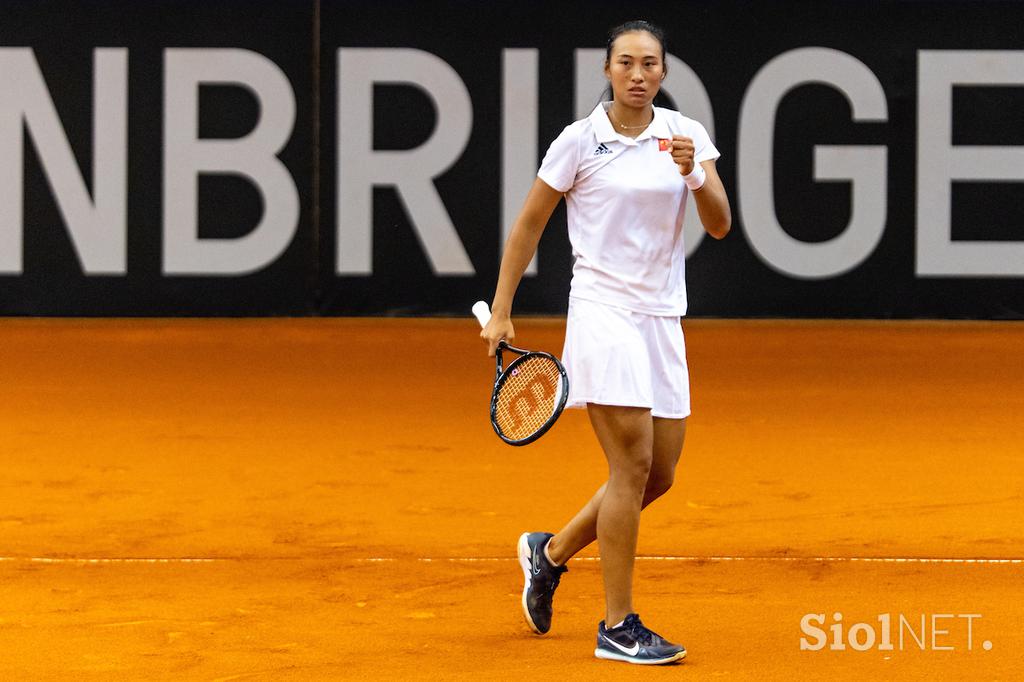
x=528 y=398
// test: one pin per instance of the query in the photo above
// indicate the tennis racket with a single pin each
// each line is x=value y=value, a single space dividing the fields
x=529 y=394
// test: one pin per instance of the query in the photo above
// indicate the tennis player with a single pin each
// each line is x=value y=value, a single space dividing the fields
x=625 y=172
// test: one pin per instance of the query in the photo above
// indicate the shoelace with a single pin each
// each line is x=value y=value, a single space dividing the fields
x=548 y=590
x=638 y=631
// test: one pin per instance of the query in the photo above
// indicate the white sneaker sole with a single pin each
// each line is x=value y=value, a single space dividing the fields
x=524 y=562
x=612 y=656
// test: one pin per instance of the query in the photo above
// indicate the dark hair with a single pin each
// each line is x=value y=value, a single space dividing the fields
x=661 y=99
x=635 y=25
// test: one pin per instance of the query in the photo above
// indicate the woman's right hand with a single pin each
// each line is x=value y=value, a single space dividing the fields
x=498 y=327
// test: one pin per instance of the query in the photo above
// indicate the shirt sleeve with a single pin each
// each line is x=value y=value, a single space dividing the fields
x=562 y=160
x=703 y=148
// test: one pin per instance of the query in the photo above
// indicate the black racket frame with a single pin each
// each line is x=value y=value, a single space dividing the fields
x=501 y=375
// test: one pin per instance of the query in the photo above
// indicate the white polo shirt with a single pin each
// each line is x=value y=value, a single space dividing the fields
x=626 y=200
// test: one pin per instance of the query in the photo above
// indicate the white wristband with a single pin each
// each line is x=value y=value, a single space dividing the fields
x=695 y=180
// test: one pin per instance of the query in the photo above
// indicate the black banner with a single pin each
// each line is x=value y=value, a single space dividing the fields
x=135 y=243
x=264 y=158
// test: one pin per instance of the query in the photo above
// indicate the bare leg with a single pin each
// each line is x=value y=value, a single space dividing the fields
x=626 y=435
x=669 y=435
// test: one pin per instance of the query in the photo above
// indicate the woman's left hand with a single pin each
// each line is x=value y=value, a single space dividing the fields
x=682 y=153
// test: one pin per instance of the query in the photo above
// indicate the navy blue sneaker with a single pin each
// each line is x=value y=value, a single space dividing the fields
x=540 y=580
x=633 y=643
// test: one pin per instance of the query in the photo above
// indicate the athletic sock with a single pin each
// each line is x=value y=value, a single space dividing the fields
x=617 y=625
x=546 y=555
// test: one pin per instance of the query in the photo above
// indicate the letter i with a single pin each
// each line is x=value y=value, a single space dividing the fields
x=837 y=632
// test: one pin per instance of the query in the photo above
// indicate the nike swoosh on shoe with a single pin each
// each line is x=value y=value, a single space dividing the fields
x=632 y=651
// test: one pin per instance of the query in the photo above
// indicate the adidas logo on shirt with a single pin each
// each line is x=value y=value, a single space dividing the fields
x=602 y=149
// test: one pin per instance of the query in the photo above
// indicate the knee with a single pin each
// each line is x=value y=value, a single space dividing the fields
x=658 y=483
x=634 y=472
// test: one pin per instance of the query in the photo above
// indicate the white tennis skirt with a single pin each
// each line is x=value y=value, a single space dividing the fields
x=614 y=356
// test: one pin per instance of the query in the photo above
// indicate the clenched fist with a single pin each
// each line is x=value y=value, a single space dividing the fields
x=682 y=153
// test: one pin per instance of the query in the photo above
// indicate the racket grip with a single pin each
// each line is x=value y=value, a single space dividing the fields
x=482 y=312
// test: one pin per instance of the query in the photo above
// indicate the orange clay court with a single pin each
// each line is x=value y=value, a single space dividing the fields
x=325 y=499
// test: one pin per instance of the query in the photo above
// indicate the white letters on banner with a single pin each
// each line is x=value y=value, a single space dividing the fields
x=253 y=157
x=520 y=111
x=864 y=167
x=939 y=162
x=412 y=171
x=97 y=225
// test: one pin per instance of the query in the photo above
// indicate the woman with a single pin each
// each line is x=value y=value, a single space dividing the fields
x=625 y=172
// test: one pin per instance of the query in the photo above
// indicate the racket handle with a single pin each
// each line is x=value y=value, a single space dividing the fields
x=482 y=312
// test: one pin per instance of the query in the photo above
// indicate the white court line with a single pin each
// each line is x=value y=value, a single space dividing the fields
x=691 y=559
x=114 y=560
x=792 y=559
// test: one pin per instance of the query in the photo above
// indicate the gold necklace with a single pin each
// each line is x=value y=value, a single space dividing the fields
x=626 y=127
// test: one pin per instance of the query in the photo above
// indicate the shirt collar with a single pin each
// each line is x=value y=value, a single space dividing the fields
x=658 y=127
x=606 y=133
x=602 y=125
